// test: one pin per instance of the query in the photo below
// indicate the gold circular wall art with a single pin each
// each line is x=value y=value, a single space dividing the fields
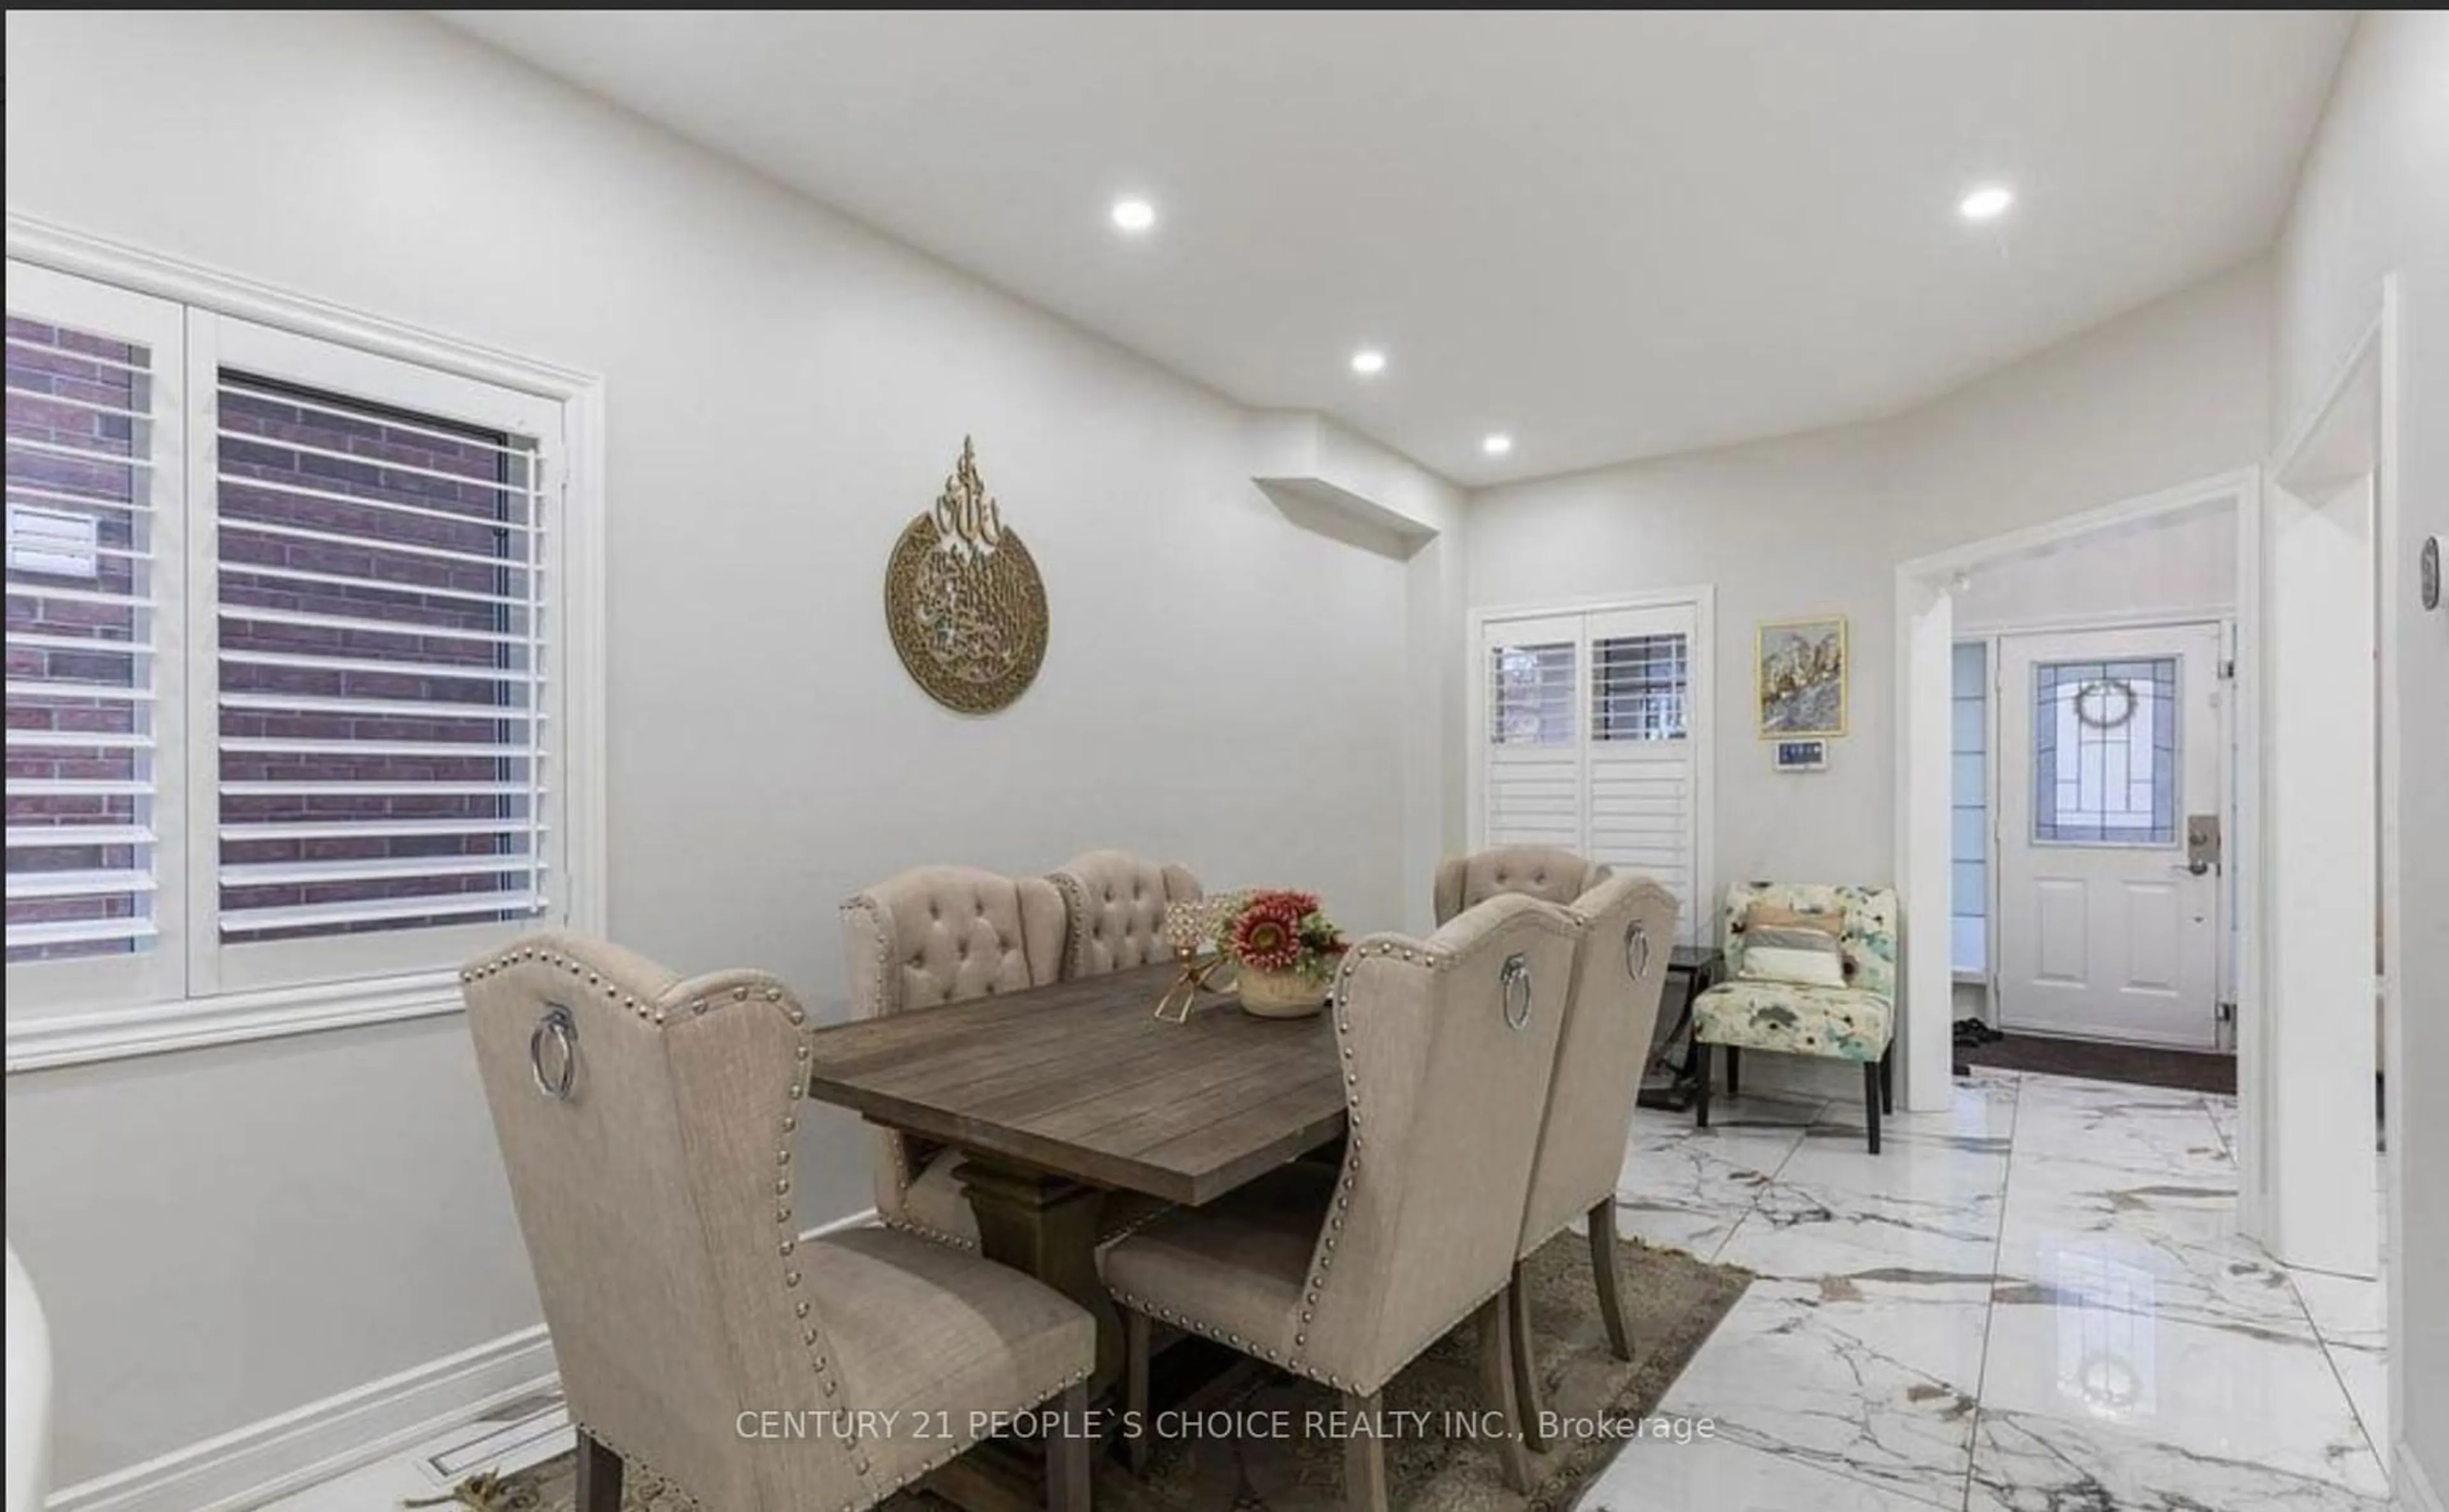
x=963 y=599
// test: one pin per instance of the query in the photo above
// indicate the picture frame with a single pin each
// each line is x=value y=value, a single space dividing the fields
x=1802 y=676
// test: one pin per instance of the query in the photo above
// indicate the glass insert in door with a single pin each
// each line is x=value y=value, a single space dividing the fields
x=2104 y=752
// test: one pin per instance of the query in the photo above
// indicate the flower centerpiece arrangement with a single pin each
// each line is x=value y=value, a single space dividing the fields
x=1287 y=950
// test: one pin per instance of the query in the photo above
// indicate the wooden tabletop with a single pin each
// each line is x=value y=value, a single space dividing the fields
x=1081 y=1080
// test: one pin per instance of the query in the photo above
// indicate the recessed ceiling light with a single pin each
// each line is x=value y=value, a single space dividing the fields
x=1988 y=202
x=1133 y=215
x=1368 y=361
x=1497 y=443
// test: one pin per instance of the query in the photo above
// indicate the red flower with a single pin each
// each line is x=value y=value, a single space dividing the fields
x=1284 y=900
x=1268 y=936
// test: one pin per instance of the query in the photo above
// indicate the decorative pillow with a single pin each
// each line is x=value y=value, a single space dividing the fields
x=1784 y=945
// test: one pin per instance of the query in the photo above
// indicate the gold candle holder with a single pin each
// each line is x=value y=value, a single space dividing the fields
x=1190 y=929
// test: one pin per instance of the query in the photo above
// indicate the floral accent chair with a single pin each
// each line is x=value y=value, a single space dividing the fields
x=1856 y=1022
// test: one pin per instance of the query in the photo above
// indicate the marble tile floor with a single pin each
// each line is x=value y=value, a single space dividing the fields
x=2037 y=1301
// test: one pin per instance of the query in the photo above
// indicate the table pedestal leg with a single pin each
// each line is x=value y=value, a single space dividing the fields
x=1046 y=1226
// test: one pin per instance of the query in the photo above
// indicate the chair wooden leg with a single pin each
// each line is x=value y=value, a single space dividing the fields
x=1871 y=1101
x=1603 y=1266
x=1526 y=1364
x=599 y=1476
x=1734 y=1071
x=1066 y=1454
x=1138 y=1442
x=1497 y=1394
x=1708 y=1058
x=1364 y=1455
x=1889 y=1079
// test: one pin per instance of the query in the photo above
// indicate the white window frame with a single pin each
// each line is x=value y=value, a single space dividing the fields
x=1700 y=722
x=156 y=1012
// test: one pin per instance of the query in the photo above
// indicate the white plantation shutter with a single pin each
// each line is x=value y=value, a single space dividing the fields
x=1642 y=801
x=1534 y=760
x=94 y=460
x=1594 y=729
x=382 y=566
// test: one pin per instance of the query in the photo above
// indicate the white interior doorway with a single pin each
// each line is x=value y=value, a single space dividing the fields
x=2109 y=813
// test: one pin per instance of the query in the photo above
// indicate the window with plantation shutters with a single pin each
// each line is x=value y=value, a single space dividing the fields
x=1594 y=725
x=93 y=492
x=284 y=656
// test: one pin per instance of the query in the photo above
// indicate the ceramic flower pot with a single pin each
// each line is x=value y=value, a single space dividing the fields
x=1282 y=994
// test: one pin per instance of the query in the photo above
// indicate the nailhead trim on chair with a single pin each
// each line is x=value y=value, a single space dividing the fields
x=921 y=1231
x=640 y=1461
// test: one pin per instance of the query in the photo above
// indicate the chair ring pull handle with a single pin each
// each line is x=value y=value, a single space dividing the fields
x=1514 y=982
x=1636 y=950
x=558 y=1026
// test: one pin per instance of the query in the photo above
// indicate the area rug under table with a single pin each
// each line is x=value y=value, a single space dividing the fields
x=1433 y=1465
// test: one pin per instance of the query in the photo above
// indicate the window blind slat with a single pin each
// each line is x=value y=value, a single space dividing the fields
x=289 y=830
x=122 y=931
x=295 y=490
x=362 y=459
x=54 y=836
x=259 y=571
x=304 y=659
x=451 y=748
x=102 y=884
x=394 y=910
x=379 y=708
x=28 y=492
x=290 y=532
x=367 y=626
x=338 y=789
x=320 y=874
x=81 y=454
x=76 y=740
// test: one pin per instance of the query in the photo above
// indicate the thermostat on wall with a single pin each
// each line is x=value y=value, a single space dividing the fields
x=1803 y=756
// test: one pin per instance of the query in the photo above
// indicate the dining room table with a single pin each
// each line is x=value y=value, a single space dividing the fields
x=1056 y=1096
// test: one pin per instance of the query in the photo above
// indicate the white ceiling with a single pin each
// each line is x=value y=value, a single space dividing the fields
x=1611 y=236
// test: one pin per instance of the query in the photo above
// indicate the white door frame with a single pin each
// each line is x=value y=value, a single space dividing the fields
x=1703 y=723
x=2355 y=431
x=1925 y=610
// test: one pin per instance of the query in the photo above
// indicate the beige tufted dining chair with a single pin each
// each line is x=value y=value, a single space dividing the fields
x=647 y=1126
x=1540 y=872
x=934 y=935
x=1344 y=1273
x=1628 y=929
x=1116 y=903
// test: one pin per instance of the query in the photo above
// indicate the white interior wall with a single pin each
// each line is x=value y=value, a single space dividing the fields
x=2174 y=567
x=226 y=1235
x=2373 y=201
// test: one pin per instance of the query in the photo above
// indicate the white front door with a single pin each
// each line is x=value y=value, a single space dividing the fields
x=2109 y=747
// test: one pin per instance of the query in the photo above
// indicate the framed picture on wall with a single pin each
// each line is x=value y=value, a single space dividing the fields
x=1798 y=677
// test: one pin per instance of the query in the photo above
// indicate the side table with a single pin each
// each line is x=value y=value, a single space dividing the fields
x=1665 y=1083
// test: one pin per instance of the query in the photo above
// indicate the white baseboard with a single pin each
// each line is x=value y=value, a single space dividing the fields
x=323 y=1440
x=2414 y=1488
x=263 y=1460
